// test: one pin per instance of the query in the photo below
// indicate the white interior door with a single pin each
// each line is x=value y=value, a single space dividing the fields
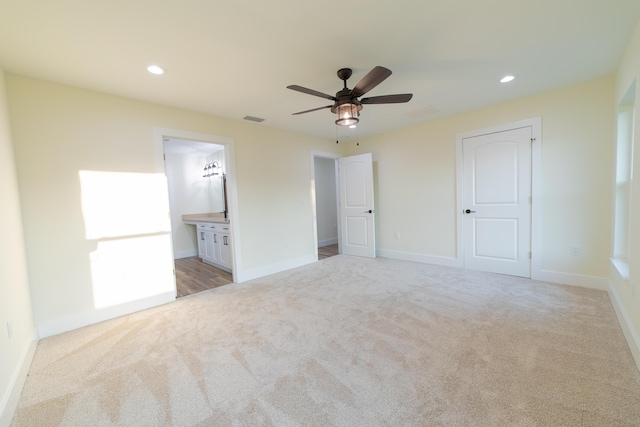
x=357 y=219
x=497 y=202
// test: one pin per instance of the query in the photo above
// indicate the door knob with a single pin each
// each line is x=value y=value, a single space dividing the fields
x=369 y=211
x=468 y=211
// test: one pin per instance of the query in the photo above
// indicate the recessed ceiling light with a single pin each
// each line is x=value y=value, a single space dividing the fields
x=155 y=69
x=506 y=79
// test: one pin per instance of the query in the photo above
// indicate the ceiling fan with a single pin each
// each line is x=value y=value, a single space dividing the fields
x=346 y=104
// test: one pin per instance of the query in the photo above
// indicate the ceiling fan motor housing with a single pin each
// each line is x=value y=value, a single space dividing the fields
x=344 y=97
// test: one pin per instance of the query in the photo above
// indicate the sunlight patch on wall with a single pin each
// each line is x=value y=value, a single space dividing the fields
x=127 y=216
x=116 y=204
x=130 y=269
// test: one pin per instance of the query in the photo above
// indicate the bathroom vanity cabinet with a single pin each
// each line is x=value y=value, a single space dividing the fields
x=214 y=244
x=213 y=233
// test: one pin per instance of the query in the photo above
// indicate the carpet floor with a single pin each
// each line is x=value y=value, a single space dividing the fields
x=346 y=341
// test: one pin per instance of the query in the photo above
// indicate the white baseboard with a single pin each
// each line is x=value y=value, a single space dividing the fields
x=327 y=242
x=590 y=282
x=185 y=254
x=425 y=259
x=75 y=321
x=243 y=276
x=12 y=394
x=628 y=330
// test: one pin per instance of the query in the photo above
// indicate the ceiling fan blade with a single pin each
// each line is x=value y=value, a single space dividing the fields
x=371 y=80
x=313 y=109
x=311 y=92
x=387 y=99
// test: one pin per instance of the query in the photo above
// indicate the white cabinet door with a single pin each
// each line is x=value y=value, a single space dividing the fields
x=224 y=258
x=214 y=244
x=200 y=233
x=210 y=246
x=207 y=242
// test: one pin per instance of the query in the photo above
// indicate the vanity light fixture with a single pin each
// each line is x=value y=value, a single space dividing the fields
x=209 y=169
x=155 y=69
x=506 y=79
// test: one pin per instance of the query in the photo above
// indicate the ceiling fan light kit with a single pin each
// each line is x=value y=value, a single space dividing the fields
x=348 y=114
x=346 y=105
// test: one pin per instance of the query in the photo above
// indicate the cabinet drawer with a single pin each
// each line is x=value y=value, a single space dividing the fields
x=207 y=226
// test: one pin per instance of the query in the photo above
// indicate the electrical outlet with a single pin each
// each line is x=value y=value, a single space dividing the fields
x=575 y=250
x=397 y=235
x=9 y=329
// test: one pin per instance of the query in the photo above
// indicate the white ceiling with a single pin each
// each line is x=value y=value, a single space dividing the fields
x=235 y=58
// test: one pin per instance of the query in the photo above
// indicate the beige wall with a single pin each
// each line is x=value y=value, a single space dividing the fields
x=15 y=304
x=415 y=173
x=60 y=131
x=627 y=300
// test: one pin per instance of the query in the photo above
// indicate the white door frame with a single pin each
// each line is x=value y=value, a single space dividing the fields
x=312 y=184
x=536 y=185
x=160 y=134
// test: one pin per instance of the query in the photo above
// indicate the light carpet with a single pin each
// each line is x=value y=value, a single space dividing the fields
x=347 y=341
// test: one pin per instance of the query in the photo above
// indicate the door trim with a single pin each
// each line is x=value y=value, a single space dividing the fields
x=536 y=184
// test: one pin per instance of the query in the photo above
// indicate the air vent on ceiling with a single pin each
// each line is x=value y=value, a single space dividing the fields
x=253 y=119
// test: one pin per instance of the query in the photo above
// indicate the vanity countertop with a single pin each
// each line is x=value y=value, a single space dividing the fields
x=205 y=217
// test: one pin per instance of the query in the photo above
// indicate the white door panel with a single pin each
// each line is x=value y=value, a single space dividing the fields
x=355 y=184
x=496 y=202
x=496 y=238
x=495 y=173
x=357 y=219
x=356 y=231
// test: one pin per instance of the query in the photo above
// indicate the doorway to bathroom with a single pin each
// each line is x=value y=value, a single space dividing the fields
x=326 y=204
x=199 y=169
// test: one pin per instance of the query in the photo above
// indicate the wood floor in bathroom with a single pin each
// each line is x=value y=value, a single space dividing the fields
x=193 y=275
x=327 y=251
